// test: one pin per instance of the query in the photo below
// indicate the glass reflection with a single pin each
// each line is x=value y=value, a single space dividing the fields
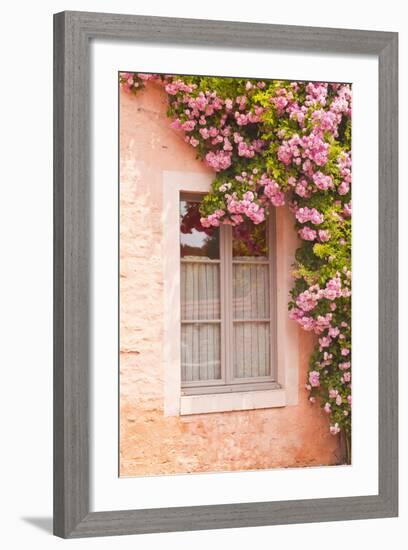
x=196 y=240
x=249 y=240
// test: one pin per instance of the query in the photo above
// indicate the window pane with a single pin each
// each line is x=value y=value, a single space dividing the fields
x=200 y=291
x=249 y=240
x=251 y=301
x=196 y=240
x=200 y=351
x=250 y=291
x=251 y=350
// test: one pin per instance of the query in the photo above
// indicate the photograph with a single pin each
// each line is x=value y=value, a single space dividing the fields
x=234 y=274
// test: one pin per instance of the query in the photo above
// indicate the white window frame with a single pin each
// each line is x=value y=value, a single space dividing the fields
x=282 y=388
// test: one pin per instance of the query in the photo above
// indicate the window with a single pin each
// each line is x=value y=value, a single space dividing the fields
x=197 y=381
x=228 y=304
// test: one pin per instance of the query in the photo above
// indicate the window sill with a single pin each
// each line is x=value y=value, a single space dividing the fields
x=234 y=401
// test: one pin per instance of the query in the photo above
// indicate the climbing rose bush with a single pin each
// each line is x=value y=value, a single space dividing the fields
x=272 y=143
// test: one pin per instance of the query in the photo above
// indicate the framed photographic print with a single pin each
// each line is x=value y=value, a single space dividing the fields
x=225 y=274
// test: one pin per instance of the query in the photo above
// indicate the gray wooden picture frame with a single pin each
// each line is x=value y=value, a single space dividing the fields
x=73 y=32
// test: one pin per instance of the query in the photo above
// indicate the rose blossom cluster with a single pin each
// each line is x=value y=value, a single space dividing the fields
x=310 y=152
x=309 y=217
x=273 y=191
x=319 y=309
x=306 y=301
x=261 y=192
x=274 y=142
x=246 y=206
x=225 y=126
x=306 y=214
x=220 y=160
x=298 y=149
x=236 y=209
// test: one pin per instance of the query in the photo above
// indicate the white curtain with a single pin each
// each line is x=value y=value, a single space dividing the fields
x=200 y=301
x=251 y=338
x=201 y=320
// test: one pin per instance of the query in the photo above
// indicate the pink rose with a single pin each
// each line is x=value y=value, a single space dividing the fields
x=334 y=429
x=307 y=234
x=343 y=188
x=314 y=378
x=325 y=341
x=324 y=235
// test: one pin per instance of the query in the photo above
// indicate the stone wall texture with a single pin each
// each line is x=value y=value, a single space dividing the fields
x=151 y=443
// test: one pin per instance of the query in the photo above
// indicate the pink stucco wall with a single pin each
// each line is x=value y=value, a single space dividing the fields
x=151 y=443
